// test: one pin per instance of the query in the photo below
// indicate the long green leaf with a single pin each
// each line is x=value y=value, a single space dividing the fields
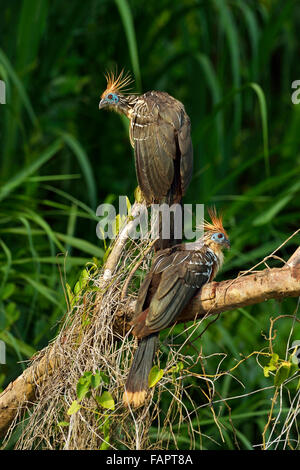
x=8 y=256
x=19 y=86
x=85 y=165
x=20 y=177
x=19 y=346
x=43 y=290
x=127 y=20
x=264 y=119
x=228 y=23
x=31 y=21
x=82 y=245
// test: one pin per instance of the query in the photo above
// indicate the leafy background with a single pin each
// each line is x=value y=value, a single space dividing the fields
x=232 y=64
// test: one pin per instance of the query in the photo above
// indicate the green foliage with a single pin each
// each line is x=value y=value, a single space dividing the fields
x=83 y=285
x=75 y=406
x=282 y=369
x=106 y=401
x=273 y=365
x=155 y=375
x=89 y=381
x=232 y=64
x=86 y=384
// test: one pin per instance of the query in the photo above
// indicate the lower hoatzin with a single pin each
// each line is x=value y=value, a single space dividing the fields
x=176 y=275
x=161 y=138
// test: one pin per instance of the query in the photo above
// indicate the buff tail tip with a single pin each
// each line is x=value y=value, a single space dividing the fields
x=134 y=399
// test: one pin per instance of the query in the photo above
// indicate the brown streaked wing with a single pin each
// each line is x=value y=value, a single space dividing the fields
x=171 y=298
x=143 y=291
x=170 y=109
x=165 y=258
x=154 y=144
x=186 y=149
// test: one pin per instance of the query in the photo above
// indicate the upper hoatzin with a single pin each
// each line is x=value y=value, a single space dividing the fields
x=160 y=135
x=177 y=273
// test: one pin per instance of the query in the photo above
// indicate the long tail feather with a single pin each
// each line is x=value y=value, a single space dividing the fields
x=137 y=382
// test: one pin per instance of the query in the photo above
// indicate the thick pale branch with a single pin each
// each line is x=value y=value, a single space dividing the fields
x=217 y=297
x=22 y=391
x=118 y=246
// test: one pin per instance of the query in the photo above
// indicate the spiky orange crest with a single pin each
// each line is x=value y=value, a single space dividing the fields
x=216 y=223
x=117 y=83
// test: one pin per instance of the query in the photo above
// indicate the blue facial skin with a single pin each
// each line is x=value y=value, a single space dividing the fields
x=218 y=237
x=112 y=98
x=109 y=99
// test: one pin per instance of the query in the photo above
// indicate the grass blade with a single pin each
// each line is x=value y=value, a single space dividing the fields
x=20 y=177
x=82 y=245
x=127 y=20
x=19 y=87
x=85 y=165
x=264 y=119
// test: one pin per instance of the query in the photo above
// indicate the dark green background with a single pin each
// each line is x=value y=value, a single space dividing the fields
x=232 y=64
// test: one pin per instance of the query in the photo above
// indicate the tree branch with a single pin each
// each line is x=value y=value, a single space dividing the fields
x=22 y=391
x=217 y=297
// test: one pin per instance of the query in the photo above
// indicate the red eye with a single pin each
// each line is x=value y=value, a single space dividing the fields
x=110 y=97
x=220 y=235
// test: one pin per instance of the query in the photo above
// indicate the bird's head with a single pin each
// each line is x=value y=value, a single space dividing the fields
x=215 y=236
x=112 y=98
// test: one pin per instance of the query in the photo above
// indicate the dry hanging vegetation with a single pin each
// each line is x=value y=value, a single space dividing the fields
x=70 y=395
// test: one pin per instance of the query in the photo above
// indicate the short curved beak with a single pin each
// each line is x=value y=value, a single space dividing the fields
x=227 y=244
x=102 y=104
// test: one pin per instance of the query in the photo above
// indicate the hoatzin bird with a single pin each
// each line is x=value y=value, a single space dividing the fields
x=177 y=273
x=160 y=135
